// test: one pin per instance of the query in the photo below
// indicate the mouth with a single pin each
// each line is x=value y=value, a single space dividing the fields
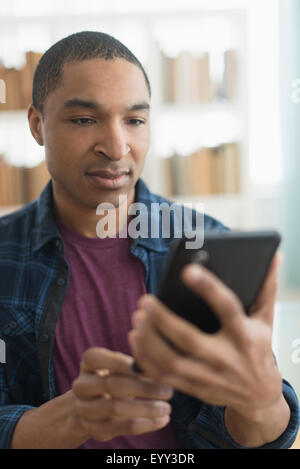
x=109 y=179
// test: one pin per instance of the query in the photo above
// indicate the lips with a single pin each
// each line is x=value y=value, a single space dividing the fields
x=108 y=174
x=104 y=179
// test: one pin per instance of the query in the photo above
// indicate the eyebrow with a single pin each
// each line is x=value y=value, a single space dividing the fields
x=76 y=102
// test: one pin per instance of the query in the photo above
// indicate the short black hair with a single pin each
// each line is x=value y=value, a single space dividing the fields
x=77 y=47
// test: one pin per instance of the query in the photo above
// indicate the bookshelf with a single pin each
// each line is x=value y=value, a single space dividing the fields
x=20 y=185
x=195 y=111
x=18 y=83
x=201 y=116
x=207 y=171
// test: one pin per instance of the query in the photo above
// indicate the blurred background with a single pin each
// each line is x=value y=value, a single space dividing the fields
x=225 y=77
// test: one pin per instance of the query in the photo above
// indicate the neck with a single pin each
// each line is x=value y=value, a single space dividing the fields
x=96 y=222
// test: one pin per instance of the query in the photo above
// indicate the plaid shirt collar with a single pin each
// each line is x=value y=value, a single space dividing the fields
x=46 y=229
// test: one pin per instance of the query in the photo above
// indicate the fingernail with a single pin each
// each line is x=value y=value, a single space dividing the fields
x=194 y=272
x=166 y=391
x=163 y=420
x=147 y=304
x=163 y=407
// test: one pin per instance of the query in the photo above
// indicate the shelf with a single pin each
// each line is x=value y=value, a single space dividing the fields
x=13 y=114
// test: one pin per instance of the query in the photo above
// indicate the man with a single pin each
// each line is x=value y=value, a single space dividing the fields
x=67 y=296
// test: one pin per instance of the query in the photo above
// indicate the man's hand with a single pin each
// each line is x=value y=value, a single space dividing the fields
x=234 y=368
x=104 y=397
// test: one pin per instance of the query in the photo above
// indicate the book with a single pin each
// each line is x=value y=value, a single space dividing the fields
x=199 y=171
x=26 y=76
x=230 y=74
x=187 y=78
x=165 y=66
x=179 y=174
x=204 y=86
x=204 y=172
x=167 y=183
x=232 y=176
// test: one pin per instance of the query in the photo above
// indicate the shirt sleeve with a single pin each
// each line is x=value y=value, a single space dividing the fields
x=210 y=425
x=9 y=416
x=9 y=413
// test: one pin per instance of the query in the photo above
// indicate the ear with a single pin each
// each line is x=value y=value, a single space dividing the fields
x=35 y=120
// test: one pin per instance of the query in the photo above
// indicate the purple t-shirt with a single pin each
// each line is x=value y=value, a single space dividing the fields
x=106 y=281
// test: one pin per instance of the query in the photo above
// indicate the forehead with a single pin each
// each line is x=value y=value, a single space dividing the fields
x=104 y=80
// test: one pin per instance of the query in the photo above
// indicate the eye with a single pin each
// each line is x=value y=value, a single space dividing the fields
x=83 y=121
x=136 y=122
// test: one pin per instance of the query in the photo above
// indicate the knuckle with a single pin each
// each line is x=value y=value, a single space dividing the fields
x=108 y=385
x=89 y=354
x=248 y=344
x=193 y=343
x=223 y=362
x=77 y=386
x=85 y=360
x=133 y=427
x=176 y=364
x=112 y=407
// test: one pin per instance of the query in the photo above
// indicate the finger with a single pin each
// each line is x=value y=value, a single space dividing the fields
x=215 y=392
x=263 y=305
x=158 y=359
x=223 y=302
x=192 y=378
x=165 y=332
x=101 y=359
x=95 y=409
x=147 y=359
x=104 y=431
x=88 y=386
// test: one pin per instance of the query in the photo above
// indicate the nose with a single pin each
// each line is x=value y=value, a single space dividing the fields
x=113 y=142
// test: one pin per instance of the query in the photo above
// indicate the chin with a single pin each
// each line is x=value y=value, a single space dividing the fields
x=116 y=198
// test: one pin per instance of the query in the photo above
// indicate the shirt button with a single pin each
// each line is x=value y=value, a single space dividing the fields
x=13 y=324
x=60 y=281
x=44 y=338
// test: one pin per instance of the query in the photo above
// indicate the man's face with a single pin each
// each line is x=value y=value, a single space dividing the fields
x=96 y=130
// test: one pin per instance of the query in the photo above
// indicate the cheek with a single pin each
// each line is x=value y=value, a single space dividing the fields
x=62 y=150
x=142 y=150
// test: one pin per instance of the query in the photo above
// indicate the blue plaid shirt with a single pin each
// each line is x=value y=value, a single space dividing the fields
x=34 y=281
